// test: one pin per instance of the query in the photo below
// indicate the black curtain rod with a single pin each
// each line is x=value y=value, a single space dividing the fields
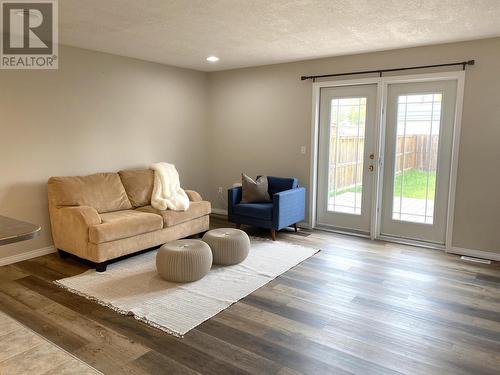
x=381 y=71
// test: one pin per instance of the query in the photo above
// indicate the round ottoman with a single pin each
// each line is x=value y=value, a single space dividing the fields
x=183 y=261
x=228 y=245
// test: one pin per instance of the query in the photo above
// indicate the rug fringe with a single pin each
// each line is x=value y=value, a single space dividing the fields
x=120 y=311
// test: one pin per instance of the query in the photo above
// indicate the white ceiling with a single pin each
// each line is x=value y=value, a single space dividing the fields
x=257 y=32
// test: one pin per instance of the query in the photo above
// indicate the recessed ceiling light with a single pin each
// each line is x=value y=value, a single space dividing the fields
x=212 y=59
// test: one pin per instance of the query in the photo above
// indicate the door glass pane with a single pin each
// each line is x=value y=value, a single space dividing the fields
x=418 y=124
x=347 y=141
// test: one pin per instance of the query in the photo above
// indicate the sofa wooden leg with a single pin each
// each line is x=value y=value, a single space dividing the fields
x=101 y=267
x=63 y=254
x=273 y=234
x=238 y=226
x=295 y=227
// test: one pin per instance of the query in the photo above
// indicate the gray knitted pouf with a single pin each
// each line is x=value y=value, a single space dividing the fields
x=228 y=245
x=183 y=261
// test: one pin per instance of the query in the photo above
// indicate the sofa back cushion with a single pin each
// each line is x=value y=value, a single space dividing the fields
x=103 y=191
x=138 y=185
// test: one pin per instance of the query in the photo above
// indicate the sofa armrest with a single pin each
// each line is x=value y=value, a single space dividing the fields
x=233 y=198
x=289 y=207
x=84 y=215
x=70 y=227
x=193 y=196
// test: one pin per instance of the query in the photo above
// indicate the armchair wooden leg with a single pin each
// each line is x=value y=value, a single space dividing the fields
x=273 y=234
x=238 y=226
x=295 y=227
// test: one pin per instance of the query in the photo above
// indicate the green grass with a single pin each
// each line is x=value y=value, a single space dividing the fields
x=414 y=185
x=349 y=190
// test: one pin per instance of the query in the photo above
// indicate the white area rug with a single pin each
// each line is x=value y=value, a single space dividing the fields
x=132 y=286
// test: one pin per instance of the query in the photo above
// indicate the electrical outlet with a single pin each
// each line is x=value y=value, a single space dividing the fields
x=220 y=189
x=303 y=150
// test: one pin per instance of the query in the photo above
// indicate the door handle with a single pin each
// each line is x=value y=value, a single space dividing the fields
x=370 y=168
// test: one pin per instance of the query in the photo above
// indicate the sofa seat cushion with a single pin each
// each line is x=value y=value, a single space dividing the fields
x=123 y=224
x=262 y=211
x=171 y=218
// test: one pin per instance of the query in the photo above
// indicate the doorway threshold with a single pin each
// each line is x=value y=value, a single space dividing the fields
x=385 y=238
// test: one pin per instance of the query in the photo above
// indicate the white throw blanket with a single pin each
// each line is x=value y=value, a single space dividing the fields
x=167 y=191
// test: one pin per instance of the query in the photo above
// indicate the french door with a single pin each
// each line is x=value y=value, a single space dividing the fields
x=418 y=147
x=390 y=177
x=346 y=155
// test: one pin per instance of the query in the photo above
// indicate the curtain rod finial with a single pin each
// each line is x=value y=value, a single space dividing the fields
x=471 y=62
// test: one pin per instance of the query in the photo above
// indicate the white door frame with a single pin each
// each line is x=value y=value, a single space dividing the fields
x=382 y=85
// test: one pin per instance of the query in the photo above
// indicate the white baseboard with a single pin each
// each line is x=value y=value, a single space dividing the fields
x=475 y=253
x=219 y=211
x=27 y=255
x=304 y=225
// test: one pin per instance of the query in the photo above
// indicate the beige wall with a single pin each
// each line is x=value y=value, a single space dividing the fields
x=260 y=117
x=98 y=112
x=101 y=112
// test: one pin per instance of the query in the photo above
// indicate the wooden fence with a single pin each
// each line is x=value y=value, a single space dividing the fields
x=417 y=151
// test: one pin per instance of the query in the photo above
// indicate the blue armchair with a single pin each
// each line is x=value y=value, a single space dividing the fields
x=287 y=206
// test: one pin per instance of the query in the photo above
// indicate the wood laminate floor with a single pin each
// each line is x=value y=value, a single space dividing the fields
x=24 y=352
x=357 y=307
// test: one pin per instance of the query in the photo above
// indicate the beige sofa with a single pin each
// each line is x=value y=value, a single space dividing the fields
x=108 y=215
